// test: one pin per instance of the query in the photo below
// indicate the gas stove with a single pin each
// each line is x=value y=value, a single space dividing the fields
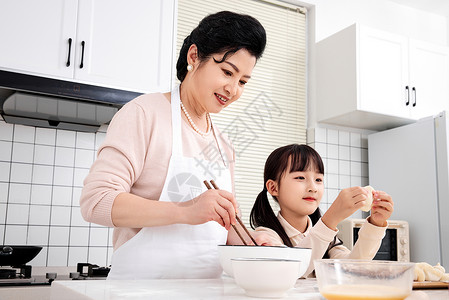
x=26 y=276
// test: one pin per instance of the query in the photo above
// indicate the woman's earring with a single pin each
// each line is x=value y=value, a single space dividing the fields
x=189 y=67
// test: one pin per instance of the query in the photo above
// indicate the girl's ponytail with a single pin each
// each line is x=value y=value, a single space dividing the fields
x=263 y=215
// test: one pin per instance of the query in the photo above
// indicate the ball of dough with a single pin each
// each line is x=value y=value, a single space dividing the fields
x=369 y=200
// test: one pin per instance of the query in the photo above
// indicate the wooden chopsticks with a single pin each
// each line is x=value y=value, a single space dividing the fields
x=236 y=216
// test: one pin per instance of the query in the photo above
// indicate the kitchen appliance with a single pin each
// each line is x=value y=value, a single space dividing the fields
x=395 y=245
x=52 y=103
x=15 y=258
x=26 y=276
x=411 y=164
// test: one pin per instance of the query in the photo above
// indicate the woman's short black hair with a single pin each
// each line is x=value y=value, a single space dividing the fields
x=224 y=31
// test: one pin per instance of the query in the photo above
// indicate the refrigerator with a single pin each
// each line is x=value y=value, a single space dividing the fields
x=411 y=164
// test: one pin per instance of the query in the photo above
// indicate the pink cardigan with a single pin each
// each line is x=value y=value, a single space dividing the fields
x=134 y=158
x=319 y=237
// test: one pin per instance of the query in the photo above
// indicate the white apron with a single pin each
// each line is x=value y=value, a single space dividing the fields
x=179 y=250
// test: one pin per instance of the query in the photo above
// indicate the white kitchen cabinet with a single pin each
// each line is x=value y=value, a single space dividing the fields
x=111 y=43
x=429 y=75
x=372 y=79
x=35 y=36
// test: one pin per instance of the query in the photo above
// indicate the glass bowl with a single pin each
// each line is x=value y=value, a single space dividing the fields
x=349 y=279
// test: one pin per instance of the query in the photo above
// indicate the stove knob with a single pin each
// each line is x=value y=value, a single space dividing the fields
x=51 y=276
x=6 y=250
x=74 y=275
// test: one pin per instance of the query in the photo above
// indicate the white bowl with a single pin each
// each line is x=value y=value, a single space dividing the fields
x=267 y=278
x=228 y=252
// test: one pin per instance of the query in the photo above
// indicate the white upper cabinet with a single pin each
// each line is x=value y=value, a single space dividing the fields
x=383 y=72
x=429 y=78
x=114 y=43
x=372 y=79
x=35 y=36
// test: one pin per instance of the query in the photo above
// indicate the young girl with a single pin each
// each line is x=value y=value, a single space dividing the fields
x=294 y=177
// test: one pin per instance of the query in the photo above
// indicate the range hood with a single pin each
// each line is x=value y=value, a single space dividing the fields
x=52 y=103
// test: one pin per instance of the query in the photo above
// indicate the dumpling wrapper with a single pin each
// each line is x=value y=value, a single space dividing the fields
x=439 y=267
x=369 y=200
x=431 y=273
x=419 y=273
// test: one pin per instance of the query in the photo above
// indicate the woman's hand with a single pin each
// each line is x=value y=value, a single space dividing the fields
x=382 y=209
x=212 y=205
x=348 y=201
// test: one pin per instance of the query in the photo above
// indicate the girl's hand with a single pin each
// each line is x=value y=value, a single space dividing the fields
x=348 y=201
x=382 y=209
x=264 y=239
x=212 y=205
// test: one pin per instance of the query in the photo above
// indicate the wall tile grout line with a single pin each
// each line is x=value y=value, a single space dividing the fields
x=71 y=200
x=9 y=187
x=31 y=185
x=51 y=202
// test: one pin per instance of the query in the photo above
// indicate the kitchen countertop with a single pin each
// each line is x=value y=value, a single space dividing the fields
x=224 y=288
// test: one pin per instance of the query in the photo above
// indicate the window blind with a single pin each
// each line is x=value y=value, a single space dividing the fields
x=272 y=110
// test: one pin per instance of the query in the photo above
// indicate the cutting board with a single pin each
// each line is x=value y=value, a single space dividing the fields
x=430 y=285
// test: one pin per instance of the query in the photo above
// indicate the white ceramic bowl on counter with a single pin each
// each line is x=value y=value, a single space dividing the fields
x=228 y=252
x=265 y=277
x=363 y=279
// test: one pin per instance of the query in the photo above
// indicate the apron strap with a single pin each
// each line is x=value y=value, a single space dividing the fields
x=176 y=122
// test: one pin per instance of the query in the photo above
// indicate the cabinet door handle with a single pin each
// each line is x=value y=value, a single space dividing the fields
x=68 y=56
x=414 y=96
x=407 y=96
x=82 y=54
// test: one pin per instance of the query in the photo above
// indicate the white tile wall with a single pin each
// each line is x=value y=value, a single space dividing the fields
x=41 y=177
x=17 y=214
x=38 y=235
x=15 y=234
x=20 y=172
x=65 y=157
x=22 y=152
x=19 y=193
x=2 y=213
x=40 y=215
x=41 y=194
x=44 y=155
x=5 y=170
x=345 y=157
x=78 y=254
x=45 y=136
x=6 y=132
x=42 y=174
x=6 y=147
